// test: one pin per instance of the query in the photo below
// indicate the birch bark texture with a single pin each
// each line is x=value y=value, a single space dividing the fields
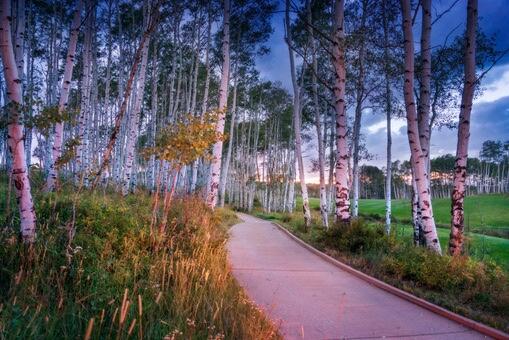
x=460 y=167
x=425 y=84
x=423 y=109
x=342 y=213
x=86 y=85
x=15 y=128
x=194 y=173
x=215 y=164
x=19 y=40
x=64 y=97
x=417 y=157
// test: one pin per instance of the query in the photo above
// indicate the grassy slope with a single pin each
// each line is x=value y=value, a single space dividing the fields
x=183 y=281
x=481 y=211
x=481 y=247
x=483 y=214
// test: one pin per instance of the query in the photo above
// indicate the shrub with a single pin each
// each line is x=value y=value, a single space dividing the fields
x=354 y=237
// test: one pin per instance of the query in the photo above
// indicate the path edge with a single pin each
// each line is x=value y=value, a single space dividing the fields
x=469 y=323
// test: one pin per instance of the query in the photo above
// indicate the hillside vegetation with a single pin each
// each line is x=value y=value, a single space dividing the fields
x=482 y=212
x=486 y=216
x=95 y=271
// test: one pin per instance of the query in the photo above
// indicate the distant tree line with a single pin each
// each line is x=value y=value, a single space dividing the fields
x=487 y=174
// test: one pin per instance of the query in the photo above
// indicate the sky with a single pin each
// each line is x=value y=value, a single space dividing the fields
x=490 y=113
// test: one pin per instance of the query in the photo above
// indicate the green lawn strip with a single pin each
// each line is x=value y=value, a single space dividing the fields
x=484 y=214
x=481 y=247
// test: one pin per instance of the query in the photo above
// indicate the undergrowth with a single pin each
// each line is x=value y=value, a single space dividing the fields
x=476 y=289
x=114 y=281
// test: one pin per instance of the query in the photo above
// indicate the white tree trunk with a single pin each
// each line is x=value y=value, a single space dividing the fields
x=154 y=18
x=425 y=83
x=64 y=96
x=215 y=165
x=320 y=141
x=194 y=174
x=291 y=183
x=153 y=119
x=388 y=112
x=226 y=165
x=360 y=97
x=342 y=189
x=416 y=212
x=424 y=106
x=134 y=121
x=20 y=39
x=15 y=128
x=460 y=167
x=356 y=155
x=297 y=122
x=418 y=163
x=82 y=161
x=388 y=174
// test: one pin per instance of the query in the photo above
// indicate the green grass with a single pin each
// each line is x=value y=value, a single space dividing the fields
x=473 y=286
x=479 y=246
x=178 y=285
x=481 y=211
x=492 y=211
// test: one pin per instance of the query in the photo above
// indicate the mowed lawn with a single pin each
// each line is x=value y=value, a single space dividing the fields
x=484 y=214
x=481 y=211
x=481 y=247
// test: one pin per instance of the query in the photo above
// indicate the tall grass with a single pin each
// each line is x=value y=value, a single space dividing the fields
x=113 y=281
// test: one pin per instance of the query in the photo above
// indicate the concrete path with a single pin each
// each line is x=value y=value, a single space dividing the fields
x=312 y=299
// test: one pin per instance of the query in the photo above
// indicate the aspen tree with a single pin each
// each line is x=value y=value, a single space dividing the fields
x=320 y=141
x=64 y=97
x=342 y=212
x=15 y=128
x=419 y=165
x=215 y=164
x=204 y=107
x=134 y=121
x=388 y=114
x=460 y=167
x=360 y=96
x=154 y=19
x=297 y=120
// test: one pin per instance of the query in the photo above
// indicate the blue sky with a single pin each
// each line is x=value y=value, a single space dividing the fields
x=490 y=115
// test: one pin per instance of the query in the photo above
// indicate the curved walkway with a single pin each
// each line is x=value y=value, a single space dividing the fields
x=312 y=299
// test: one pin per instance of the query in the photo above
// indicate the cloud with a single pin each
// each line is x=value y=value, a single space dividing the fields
x=396 y=125
x=496 y=88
